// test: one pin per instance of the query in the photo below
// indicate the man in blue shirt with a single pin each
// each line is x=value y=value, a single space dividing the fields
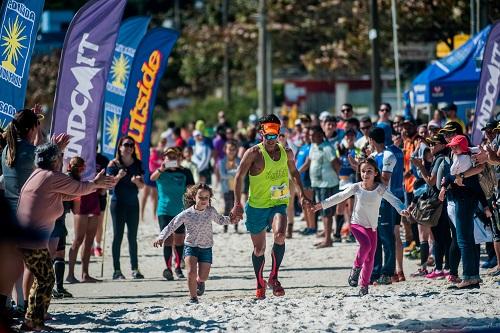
x=398 y=190
x=384 y=122
x=386 y=162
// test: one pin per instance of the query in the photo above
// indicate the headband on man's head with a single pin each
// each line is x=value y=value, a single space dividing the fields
x=271 y=128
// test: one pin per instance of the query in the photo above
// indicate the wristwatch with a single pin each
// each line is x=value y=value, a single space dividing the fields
x=461 y=175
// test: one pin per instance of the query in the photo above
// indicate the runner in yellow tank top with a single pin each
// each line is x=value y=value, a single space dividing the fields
x=268 y=165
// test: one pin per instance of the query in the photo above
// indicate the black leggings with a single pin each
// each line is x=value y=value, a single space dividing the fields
x=442 y=240
x=124 y=214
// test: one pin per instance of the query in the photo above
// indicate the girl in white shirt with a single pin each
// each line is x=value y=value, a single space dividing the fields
x=198 y=243
x=368 y=195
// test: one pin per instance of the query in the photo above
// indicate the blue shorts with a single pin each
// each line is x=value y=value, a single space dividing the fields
x=203 y=255
x=259 y=219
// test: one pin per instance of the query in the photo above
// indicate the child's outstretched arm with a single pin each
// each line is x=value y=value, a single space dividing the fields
x=168 y=230
x=336 y=198
x=395 y=202
x=221 y=219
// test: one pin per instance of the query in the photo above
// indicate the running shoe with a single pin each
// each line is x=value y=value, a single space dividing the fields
x=178 y=272
x=435 y=274
x=168 y=275
x=407 y=250
x=275 y=285
x=193 y=300
x=420 y=272
x=383 y=280
x=337 y=239
x=454 y=279
x=363 y=291
x=200 y=289
x=401 y=276
x=354 y=276
x=260 y=293
x=117 y=275
x=98 y=252
x=61 y=293
x=137 y=275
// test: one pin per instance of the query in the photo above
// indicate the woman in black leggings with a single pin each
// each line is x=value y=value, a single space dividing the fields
x=125 y=204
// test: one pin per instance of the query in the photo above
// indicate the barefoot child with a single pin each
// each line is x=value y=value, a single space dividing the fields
x=368 y=195
x=199 y=236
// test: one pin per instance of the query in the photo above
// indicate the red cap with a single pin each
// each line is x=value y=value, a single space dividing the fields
x=459 y=140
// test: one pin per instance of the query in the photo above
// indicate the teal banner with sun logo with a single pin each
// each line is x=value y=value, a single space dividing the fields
x=131 y=32
x=20 y=20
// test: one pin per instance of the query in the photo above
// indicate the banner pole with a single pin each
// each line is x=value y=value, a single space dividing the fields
x=106 y=213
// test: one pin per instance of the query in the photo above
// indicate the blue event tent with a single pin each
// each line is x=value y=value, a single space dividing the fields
x=454 y=78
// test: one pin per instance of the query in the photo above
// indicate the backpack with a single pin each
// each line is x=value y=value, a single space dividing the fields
x=428 y=209
x=488 y=181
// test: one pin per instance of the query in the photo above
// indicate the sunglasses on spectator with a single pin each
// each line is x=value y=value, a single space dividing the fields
x=384 y=110
x=345 y=110
x=365 y=128
x=128 y=144
x=271 y=136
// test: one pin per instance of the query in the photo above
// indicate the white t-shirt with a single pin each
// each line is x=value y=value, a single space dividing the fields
x=321 y=171
x=366 y=203
x=461 y=163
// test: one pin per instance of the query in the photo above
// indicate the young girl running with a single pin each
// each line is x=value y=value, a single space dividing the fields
x=199 y=235
x=368 y=195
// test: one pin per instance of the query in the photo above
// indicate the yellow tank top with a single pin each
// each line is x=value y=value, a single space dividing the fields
x=270 y=188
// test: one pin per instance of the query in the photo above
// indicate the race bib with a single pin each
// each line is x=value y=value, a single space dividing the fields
x=280 y=192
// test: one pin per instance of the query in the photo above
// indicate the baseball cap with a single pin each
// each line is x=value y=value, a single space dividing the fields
x=171 y=150
x=434 y=123
x=449 y=107
x=196 y=133
x=298 y=122
x=461 y=141
x=490 y=125
x=438 y=138
x=323 y=115
x=451 y=126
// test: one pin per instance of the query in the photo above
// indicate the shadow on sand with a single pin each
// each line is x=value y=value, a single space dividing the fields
x=117 y=320
x=462 y=324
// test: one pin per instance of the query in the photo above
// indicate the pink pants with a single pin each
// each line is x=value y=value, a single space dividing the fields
x=367 y=239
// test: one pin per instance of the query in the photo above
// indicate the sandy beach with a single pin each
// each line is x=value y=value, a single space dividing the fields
x=317 y=298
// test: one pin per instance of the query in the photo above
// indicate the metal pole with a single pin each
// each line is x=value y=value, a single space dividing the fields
x=177 y=15
x=472 y=17
x=375 y=58
x=269 y=77
x=225 y=67
x=396 y=52
x=262 y=52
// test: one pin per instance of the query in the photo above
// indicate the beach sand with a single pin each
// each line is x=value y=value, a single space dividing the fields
x=317 y=298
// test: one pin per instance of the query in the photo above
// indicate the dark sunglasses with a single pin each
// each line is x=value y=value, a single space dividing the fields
x=345 y=110
x=365 y=128
x=128 y=145
x=384 y=110
x=271 y=136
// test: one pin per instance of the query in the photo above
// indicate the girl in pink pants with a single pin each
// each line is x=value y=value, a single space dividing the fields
x=368 y=195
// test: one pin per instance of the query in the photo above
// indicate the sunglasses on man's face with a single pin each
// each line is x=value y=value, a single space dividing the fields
x=128 y=144
x=271 y=136
x=345 y=110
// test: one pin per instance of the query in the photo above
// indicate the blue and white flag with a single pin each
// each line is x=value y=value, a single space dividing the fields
x=130 y=35
x=20 y=20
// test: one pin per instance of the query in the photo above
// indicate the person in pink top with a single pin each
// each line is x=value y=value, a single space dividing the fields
x=40 y=204
x=150 y=190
